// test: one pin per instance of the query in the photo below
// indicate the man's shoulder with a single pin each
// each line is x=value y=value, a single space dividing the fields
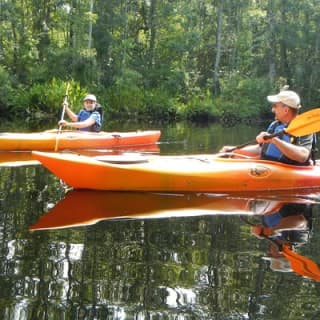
x=305 y=141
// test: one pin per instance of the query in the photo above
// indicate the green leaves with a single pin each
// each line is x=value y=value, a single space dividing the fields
x=125 y=51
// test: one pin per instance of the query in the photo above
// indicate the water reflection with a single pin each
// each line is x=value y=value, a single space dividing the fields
x=194 y=267
x=286 y=229
x=82 y=208
x=286 y=220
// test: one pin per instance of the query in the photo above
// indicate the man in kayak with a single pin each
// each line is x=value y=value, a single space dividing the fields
x=284 y=148
x=88 y=119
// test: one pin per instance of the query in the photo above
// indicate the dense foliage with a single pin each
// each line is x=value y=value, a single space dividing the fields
x=196 y=59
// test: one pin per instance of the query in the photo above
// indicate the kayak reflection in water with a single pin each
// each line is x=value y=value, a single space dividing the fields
x=287 y=229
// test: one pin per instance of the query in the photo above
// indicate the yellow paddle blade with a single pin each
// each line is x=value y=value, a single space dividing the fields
x=305 y=123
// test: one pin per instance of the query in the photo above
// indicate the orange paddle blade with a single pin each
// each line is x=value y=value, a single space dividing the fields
x=302 y=265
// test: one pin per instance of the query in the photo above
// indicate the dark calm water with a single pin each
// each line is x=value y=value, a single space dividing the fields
x=79 y=256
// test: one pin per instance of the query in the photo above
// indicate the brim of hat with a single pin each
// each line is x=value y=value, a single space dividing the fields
x=273 y=99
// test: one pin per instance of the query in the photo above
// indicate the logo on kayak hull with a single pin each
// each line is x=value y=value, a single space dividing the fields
x=259 y=171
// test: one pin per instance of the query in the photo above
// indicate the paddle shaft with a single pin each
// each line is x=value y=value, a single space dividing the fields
x=65 y=100
x=240 y=146
x=63 y=109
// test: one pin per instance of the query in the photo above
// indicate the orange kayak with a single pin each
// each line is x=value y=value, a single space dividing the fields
x=83 y=207
x=47 y=140
x=202 y=173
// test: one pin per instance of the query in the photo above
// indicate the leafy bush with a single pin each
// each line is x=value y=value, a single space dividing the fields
x=6 y=93
x=243 y=99
x=201 y=110
x=125 y=97
x=158 y=105
x=45 y=100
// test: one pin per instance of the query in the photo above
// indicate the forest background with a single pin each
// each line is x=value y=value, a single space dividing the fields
x=200 y=60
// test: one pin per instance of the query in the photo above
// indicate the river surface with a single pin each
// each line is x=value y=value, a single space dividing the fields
x=80 y=255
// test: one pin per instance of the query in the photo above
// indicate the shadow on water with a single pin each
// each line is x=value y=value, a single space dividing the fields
x=110 y=255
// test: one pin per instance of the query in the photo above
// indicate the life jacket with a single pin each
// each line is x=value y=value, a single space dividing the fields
x=100 y=110
x=85 y=114
x=294 y=236
x=314 y=148
x=271 y=152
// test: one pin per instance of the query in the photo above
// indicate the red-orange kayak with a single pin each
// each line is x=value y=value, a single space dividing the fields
x=83 y=207
x=48 y=140
x=179 y=174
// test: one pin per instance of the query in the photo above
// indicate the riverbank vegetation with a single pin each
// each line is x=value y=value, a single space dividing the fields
x=199 y=60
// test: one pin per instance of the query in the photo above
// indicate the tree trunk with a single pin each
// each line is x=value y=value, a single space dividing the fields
x=216 y=85
x=272 y=42
x=152 y=42
x=90 y=26
x=284 y=64
x=314 y=78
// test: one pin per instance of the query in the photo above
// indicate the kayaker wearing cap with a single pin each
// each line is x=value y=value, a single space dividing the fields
x=88 y=119
x=284 y=148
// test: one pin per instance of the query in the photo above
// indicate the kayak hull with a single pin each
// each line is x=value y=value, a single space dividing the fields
x=179 y=174
x=48 y=140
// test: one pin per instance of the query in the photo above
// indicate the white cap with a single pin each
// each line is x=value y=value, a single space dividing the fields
x=287 y=97
x=90 y=97
x=279 y=264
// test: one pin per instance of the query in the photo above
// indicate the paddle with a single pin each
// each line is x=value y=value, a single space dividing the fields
x=299 y=264
x=302 y=125
x=62 y=117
